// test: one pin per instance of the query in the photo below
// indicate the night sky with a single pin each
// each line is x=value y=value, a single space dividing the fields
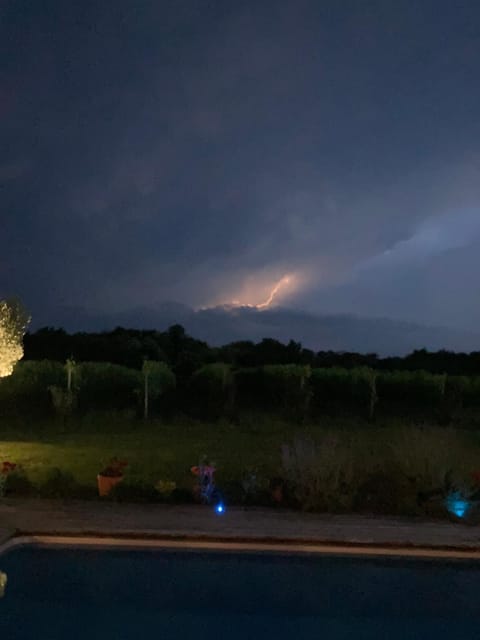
x=199 y=152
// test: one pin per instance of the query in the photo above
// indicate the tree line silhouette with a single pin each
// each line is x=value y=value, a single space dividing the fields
x=185 y=354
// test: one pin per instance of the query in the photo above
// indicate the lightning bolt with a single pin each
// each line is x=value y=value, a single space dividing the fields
x=283 y=281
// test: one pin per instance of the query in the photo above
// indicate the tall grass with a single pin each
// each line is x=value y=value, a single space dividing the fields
x=379 y=470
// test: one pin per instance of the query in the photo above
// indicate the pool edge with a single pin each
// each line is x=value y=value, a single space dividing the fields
x=239 y=545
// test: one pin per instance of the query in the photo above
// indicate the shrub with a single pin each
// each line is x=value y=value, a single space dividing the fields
x=59 y=484
x=405 y=393
x=158 y=379
x=387 y=473
x=471 y=392
x=26 y=391
x=286 y=388
x=386 y=492
x=435 y=458
x=251 y=489
x=13 y=323
x=105 y=386
x=17 y=483
x=211 y=391
x=64 y=401
x=351 y=391
x=280 y=389
x=321 y=474
x=455 y=391
x=249 y=389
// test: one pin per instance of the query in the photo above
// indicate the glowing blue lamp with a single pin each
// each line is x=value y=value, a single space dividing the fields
x=220 y=508
x=457 y=504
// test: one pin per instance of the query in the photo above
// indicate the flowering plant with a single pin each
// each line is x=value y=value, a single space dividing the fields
x=165 y=487
x=205 y=484
x=5 y=469
x=114 y=469
x=476 y=478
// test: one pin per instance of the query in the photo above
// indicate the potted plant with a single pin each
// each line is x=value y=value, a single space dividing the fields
x=277 y=490
x=110 y=476
x=5 y=470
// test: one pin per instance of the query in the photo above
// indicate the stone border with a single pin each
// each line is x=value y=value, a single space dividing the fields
x=192 y=544
x=13 y=542
x=5 y=534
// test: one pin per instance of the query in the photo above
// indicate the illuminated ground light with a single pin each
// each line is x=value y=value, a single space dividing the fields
x=220 y=508
x=3 y=583
x=457 y=505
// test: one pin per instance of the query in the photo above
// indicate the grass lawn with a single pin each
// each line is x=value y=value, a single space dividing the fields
x=160 y=451
x=155 y=451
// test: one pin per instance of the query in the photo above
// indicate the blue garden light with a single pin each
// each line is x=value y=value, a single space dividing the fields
x=457 y=504
x=205 y=488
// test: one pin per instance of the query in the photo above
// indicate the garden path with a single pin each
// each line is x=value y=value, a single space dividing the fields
x=149 y=520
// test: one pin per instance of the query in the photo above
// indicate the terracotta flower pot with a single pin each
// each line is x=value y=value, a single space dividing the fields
x=106 y=484
x=277 y=494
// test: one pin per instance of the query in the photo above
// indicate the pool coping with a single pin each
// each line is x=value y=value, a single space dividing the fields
x=289 y=547
x=241 y=528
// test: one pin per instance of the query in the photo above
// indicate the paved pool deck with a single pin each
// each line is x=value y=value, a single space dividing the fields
x=90 y=518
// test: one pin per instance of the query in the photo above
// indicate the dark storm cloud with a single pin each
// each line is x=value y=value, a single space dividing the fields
x=167 y=150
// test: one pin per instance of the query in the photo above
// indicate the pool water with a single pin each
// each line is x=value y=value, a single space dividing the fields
x=55 y=593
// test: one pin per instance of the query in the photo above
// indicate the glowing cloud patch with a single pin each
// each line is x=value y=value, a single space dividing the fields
x=261 y=291
x=253 y=289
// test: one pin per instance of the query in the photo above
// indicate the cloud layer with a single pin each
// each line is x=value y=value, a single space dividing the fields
x=199 y=152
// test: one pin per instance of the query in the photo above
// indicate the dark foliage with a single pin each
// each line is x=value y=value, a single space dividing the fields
x=130 y=347
x=60 y=484
x=18 y=484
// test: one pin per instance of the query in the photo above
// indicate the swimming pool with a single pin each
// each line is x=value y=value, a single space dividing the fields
x=125 y=594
